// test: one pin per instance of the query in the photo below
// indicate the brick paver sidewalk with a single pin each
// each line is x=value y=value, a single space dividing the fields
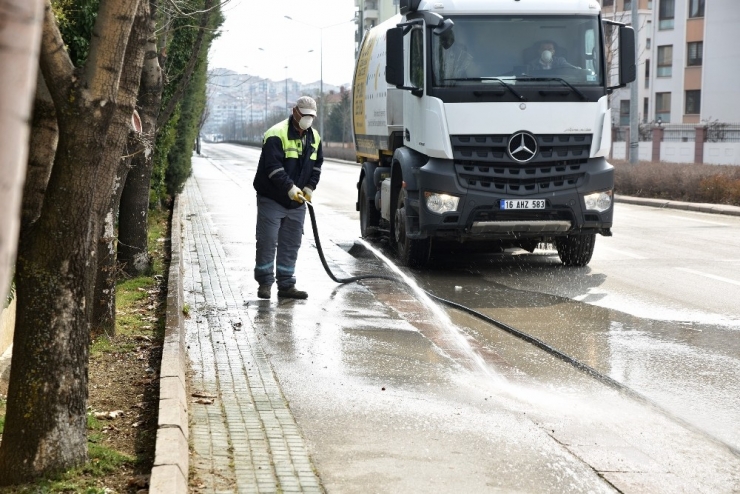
x=246 y=440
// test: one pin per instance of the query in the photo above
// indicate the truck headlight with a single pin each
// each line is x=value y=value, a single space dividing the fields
x=440 y=203
x=598 y=201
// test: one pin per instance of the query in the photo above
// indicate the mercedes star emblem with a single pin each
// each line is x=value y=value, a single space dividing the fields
x=522 y=147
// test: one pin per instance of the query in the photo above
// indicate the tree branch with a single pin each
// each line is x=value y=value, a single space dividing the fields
x=110 y=34
x=55 y=62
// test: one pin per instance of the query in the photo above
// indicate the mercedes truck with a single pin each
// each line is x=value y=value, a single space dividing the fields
x=488 y=122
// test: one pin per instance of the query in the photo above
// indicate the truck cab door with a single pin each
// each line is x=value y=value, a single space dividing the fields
x=413 y=101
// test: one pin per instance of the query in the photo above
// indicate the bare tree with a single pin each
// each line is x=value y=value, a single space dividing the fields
x=20 y=35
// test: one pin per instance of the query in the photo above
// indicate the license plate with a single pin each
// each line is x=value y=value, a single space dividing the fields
x=522 y=204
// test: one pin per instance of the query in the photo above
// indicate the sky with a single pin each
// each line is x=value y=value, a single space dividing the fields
x=253 y=24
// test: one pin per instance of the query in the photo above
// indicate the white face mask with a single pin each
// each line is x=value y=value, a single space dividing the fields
x=546 y=56
x=305 y=122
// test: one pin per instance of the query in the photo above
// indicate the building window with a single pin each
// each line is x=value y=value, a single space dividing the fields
x=663 y=107
x=624 y=113
x=645 y=109
x=648 y=43
x=627 y=5
x=695 y=52
x=696 y=8
x=665 y=61
x=666 y=13
x=693 y=102
x=647 y=73
x=650 y=5
x=608 y=3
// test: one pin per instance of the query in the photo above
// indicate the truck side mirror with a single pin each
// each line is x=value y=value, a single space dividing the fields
x=627 y=67
x=394 y=57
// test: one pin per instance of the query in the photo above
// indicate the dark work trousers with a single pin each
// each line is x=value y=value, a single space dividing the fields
x=281 y=229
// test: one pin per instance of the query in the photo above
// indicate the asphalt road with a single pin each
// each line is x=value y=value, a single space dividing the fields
x=413 y=395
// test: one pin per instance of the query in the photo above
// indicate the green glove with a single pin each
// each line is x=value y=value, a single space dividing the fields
x=295 y=194
x=307 y=193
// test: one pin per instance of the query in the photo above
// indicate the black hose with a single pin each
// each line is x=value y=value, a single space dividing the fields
x=326 y=266
x=527 y=338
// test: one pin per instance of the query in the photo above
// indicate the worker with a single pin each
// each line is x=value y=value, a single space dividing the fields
x=287 y=174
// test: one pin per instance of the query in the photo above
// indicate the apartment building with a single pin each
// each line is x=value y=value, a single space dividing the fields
x=689 y=68
x=707 y=83
x=369 y=14
x=621 y=11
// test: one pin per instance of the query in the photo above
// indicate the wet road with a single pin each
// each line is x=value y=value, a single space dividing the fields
x=469 y=408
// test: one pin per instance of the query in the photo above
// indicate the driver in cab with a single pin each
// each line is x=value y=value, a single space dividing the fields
x=547 y=59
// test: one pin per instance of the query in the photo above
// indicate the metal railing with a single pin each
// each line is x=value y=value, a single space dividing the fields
x=722 y=132
x=679 y=133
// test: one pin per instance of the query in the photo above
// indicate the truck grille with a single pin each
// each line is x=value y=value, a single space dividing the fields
x=482 y=163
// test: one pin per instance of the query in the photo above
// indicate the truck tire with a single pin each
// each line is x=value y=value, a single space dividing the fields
x=576 y=250
x=413 y=253
x=369 y=215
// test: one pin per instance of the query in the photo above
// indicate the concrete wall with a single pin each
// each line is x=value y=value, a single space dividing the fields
x=677 y=152
x=645 y=151
x=722 y=153
x=7 y=325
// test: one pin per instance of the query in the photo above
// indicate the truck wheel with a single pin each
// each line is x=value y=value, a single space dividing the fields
x=369 y=215
x=413 y=253
x=576 y=250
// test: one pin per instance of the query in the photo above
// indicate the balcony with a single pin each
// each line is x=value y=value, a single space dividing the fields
x=371 y=14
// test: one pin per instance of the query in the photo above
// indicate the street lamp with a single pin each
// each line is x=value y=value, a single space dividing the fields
x=321 y=65
x=286 y=89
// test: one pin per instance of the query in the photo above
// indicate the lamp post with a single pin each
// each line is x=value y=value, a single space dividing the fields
x=286 y=89
x=321 y=65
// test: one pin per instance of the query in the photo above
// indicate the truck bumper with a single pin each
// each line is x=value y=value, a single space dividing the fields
x=479 y=215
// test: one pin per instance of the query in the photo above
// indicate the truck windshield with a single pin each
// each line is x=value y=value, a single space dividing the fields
x=518 y=50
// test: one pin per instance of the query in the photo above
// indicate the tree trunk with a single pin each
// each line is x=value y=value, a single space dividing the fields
x=133 y=249
x=20 y=35
x=45 y=426
x=104 y=301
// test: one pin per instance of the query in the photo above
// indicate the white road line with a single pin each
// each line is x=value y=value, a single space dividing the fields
x=698 y=221
x=707 y=275
x=622 y=252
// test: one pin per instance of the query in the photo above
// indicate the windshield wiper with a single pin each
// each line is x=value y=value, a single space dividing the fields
x=481 y=79
x=558 y=79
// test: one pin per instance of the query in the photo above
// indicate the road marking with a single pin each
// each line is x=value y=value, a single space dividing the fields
x=707 y=275
x=698 y=221
x=622 y=252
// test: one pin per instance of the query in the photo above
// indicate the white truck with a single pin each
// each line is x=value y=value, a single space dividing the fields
x=488 y=122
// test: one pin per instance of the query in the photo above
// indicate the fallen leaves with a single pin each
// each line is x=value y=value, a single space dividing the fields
x=112 y=415
x=203 y=398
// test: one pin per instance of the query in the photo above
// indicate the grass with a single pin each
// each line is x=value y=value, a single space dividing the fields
x=101 y=461
x=138 y=314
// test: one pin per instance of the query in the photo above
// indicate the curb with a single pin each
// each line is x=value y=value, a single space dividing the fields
x=686 y=206
x=171 y=457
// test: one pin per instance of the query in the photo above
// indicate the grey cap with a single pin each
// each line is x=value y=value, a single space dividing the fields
x=306 y=105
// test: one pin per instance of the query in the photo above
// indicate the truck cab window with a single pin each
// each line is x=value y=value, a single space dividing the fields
x=517 y=49
x=416 y=65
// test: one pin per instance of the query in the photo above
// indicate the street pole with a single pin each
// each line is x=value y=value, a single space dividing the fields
x=321 y=83
x=286 y=89
x=321 y=65
x=634 y=121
